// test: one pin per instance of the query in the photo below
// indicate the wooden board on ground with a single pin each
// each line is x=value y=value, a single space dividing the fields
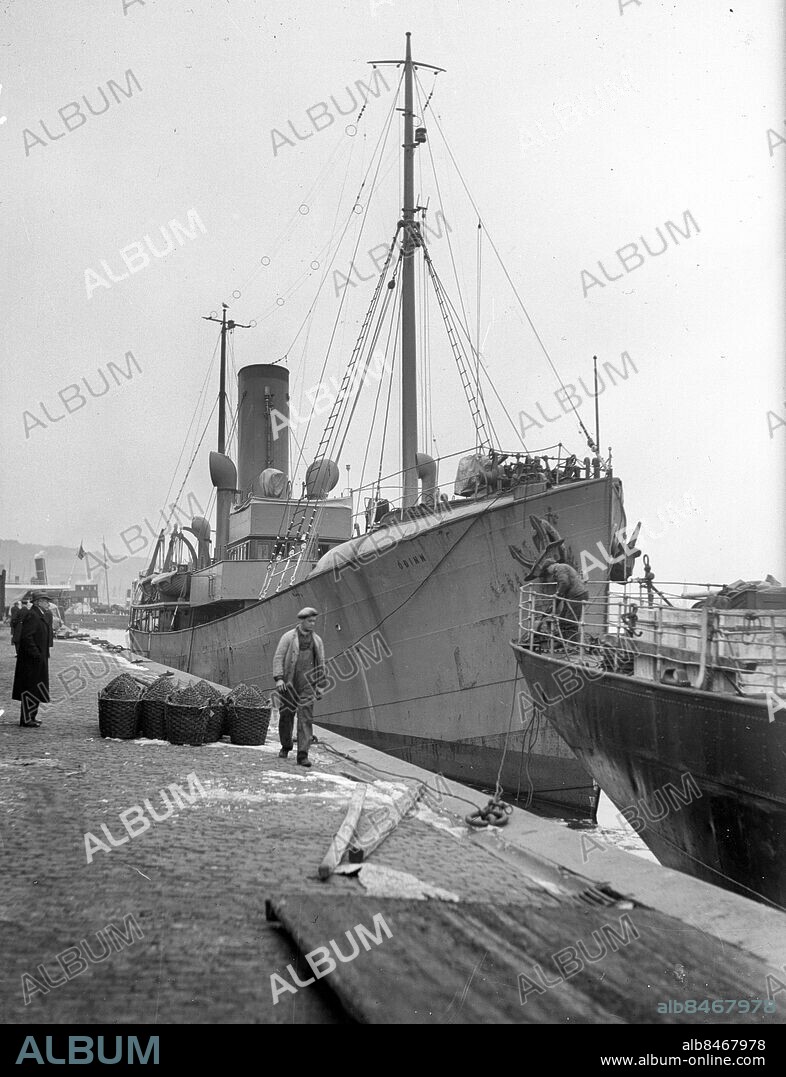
x=437 y=962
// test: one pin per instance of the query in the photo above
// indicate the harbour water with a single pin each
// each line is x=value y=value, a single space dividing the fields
x=610 y=829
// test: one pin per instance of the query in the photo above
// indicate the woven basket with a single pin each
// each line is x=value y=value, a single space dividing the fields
x=186 y=724
x=248 y=725
x=152 y=719
x=118 y=718
x=216 y=713
x=151 y=708
x=214 y=729
x=225 y=720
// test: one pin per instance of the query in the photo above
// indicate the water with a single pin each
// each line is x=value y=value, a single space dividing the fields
x=611 y=828
x=118 y=636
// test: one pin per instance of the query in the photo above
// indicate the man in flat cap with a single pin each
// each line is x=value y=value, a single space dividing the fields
x=299 y=673
x=31 y=676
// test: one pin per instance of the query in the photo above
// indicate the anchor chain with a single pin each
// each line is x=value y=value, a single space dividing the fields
x=495 y=813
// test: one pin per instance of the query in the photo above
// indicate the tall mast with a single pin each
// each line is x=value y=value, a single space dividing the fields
x=222 y=383
x=409 y=374
x=226 y=327
x=106 y=571
x=223 y=497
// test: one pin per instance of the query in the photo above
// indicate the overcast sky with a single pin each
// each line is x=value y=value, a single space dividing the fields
x=578 y=130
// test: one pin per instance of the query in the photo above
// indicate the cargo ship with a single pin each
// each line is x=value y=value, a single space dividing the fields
x=415 y=589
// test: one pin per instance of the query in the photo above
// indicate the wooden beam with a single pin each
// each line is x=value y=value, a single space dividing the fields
x=362 y=848
x=344 y=834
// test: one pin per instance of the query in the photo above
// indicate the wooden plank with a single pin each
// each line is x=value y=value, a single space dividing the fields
x=438 y=962
x=344 y=834
x=362 y=848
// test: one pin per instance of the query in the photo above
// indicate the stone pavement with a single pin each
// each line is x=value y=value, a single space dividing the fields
x=194 y=882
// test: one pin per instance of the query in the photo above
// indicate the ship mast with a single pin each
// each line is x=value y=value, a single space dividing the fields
x=409 y=376
x=223 y=497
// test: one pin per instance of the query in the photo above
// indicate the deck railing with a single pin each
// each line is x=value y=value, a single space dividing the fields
x=725 y=650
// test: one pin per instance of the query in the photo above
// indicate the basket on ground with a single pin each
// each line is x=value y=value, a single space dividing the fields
x=118 y=708
x=216 y=717
x=249 y=715
x=152 y=717
x=186 y=715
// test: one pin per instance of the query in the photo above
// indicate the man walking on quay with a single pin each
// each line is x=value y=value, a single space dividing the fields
x=572 y=593
x=299 y=673
x=31 y=676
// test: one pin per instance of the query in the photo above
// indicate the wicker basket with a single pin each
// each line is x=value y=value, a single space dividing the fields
x=152 y=719
x=186 y=724
x=248 y=725
x=216 y=710
x=118 y=718
x=216 y=716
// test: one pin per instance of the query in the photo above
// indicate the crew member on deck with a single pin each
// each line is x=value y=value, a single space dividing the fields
x=299 y=673
x=572 y=593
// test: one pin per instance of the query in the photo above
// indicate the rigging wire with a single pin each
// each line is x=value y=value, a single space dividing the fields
x=381 y=141
x=447 y=232
x=477 y=320
x=482 y=366
x=390 y=395
x=545 y=351
x=328 y=267
x=386 y=303
x=193 y=418
x=193 y=458
x=393 y=325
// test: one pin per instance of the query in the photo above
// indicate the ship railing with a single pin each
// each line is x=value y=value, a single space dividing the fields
x=552 y=464
x=739 y=651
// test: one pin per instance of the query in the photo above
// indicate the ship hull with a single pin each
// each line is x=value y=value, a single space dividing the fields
x=698 y=775
x=417 y=642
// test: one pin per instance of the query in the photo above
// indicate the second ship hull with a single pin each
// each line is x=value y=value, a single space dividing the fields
x=417 y=643
x=698 y=775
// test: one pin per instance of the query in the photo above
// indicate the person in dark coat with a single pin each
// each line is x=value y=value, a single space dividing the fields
x=18 y=614
x=31 y=677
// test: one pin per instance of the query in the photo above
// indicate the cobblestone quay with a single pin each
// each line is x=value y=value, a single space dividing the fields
x=169 y=925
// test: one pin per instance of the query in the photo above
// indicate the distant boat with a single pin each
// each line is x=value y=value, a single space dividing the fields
x=416 y=590
x=680 y=715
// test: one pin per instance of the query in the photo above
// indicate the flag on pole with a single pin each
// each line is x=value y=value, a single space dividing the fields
x=81 y=552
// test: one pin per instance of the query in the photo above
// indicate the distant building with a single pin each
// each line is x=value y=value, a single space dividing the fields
x=86 y=593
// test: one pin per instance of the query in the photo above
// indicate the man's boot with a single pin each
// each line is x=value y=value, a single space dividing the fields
x=303 y=761
x=283 y=753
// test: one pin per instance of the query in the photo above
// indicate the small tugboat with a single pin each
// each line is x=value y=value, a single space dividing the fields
x=677 y=707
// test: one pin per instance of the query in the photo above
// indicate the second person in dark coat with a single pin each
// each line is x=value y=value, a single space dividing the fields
x=31 y=676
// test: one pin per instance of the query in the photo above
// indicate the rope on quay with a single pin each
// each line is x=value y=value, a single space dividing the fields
x=497 y=811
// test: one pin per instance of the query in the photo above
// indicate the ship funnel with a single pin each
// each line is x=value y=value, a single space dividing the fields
x=321 y=478
x=40 y=568
x=223 y=475
x=426 y=468
x=263 y=424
